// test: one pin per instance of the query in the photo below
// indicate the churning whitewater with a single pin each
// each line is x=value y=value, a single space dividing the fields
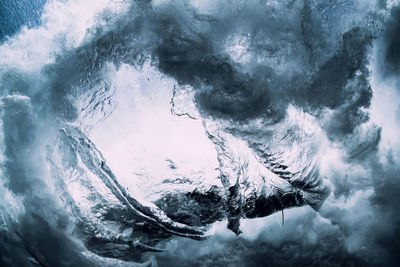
x=199 y=133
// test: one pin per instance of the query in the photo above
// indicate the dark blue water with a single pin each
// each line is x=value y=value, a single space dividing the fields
x=16 y=14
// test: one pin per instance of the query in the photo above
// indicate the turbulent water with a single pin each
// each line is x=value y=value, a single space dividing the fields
x=199 y=133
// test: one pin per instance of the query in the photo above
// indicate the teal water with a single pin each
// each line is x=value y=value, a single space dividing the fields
x=16 y=14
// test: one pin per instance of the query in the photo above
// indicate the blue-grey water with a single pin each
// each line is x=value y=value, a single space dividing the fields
x=199 y=133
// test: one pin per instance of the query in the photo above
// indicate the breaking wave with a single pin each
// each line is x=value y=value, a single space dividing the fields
x=128 y=124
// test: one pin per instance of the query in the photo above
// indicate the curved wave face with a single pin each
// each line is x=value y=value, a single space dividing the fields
x=176 y=133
